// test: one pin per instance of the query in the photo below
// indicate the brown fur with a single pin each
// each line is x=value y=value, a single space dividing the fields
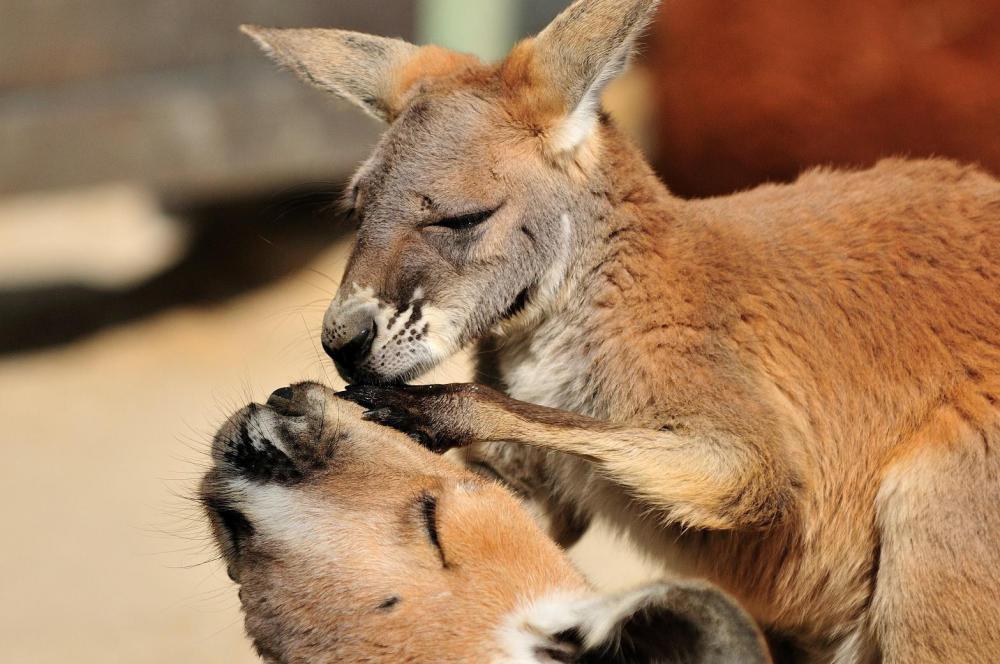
x=791 y=410
x=792 y=391
x=323 y=520
x=757 y=92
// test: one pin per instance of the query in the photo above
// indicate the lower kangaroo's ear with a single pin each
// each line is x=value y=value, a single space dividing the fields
x=661 y=623
x=579 y=53
x=376 y=73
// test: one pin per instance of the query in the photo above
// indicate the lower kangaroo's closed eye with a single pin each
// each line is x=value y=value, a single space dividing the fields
x=428 y=505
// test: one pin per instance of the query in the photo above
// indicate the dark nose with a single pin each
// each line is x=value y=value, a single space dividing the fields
x=285 y=393
x=349 y=356
x=281 y=401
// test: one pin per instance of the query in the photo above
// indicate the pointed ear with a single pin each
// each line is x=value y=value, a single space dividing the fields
x=581 y=51
x=364 y=69
x=661 y=623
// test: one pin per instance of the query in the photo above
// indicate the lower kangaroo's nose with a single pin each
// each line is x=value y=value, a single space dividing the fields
x=348 y=356
x=282 y=400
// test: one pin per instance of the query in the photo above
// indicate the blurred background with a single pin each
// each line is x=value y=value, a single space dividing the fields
x=168 y=243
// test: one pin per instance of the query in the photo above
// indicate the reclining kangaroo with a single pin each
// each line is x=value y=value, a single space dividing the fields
x=351 y=544
x=792 y=391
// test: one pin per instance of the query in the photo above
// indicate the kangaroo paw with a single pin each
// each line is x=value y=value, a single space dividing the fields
x=436 y=416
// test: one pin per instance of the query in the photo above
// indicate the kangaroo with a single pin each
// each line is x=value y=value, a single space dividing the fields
x=351 y=543
x=791 y=391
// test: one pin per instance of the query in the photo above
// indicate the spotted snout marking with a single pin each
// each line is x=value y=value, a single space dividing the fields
x=341 y=321
x=403 y=322
x=409 y=337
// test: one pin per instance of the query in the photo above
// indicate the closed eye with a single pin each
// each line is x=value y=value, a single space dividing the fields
x=465 y=221
x=428 y=511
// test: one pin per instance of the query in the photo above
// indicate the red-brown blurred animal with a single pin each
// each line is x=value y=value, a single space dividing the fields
x=753 y=92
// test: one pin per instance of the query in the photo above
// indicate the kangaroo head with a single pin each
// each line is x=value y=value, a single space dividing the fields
x=467 y=204
x=351 y=543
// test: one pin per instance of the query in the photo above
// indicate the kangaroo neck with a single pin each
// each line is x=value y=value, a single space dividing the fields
x=622 y=207
x=619 y=207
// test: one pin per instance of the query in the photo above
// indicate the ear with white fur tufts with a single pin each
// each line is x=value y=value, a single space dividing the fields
x=363 y=69
x=581 y=51
x=661 y=623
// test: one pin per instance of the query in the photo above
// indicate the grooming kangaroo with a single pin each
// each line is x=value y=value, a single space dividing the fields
x=791 y=391
x=351 y=544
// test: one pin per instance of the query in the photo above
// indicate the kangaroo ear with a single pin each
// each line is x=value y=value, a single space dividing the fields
x=581 y=51
x=661 y=623
x=373 y=72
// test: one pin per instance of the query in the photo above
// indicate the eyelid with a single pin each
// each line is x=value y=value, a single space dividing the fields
x=428 y=511
x=467 y=220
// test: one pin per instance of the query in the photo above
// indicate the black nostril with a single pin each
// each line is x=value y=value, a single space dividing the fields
x=348 y=356
x=282 y=401
x=284 y=393
x=359 y=346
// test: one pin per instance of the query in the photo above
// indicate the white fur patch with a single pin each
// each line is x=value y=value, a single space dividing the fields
x=856 y=647
x=575 y=128
x=529 y=628
x=279 y=512
x=394 y=353
x=601 y=618
x=289 y=517
x=442 y=333
x=263 y=430
x=598 y=619
x=580 y=123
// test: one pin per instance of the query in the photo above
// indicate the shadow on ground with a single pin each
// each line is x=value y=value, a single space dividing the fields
x=235 y=246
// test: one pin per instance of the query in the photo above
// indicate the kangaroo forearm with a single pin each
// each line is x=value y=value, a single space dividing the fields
x=699 y=474
x=701 y=479
x=511 y=420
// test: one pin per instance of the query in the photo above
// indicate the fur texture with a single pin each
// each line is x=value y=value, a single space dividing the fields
x=793 y=391
x=352 y=544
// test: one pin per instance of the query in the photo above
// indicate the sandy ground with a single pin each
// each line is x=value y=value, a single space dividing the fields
x=105 y=556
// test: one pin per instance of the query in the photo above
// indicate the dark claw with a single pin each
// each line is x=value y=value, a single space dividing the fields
x=390 y=418
x=424 y=440
x=405 y=423
x=368 y=396
x=378 y=415
x=400 y=408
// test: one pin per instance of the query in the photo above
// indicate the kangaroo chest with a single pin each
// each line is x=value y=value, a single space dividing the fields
x=551 y=367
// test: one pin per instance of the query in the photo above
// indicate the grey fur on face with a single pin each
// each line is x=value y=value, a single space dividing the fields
x=484 y=189
x=431 y=286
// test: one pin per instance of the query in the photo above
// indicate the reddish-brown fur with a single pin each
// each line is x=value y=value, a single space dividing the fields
x=792 y=391
x=759 y=91
x=351 y=544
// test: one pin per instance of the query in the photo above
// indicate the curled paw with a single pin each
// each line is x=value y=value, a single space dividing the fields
x=420 y=411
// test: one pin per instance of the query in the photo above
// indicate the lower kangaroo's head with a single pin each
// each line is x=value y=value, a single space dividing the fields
x=467 y=204
x=353 y=544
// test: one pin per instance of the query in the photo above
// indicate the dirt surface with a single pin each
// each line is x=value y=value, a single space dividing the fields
x=106 y=556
